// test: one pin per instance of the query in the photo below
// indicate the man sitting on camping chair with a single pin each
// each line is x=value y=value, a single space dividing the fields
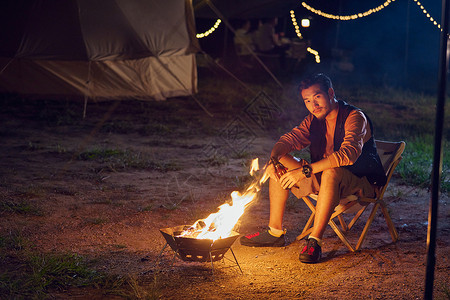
x=344 y=162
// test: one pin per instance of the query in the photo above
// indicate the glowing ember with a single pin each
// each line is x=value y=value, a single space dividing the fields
x=220 y=224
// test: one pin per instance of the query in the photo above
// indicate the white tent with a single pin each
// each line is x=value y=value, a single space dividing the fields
x=98 y=49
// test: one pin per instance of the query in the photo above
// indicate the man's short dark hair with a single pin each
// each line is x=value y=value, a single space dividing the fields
x=321 y=79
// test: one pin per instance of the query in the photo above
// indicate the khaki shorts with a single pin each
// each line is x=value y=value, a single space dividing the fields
x=350 y=184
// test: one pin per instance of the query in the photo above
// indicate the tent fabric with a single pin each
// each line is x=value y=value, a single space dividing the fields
x=150 y=78
x=142 y=49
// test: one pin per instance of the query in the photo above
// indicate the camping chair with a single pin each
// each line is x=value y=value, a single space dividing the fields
x=390 y=154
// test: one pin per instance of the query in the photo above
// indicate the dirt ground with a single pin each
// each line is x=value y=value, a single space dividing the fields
x=111 y=211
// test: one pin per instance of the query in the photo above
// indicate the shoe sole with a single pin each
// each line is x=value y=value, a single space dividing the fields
x=308 y=260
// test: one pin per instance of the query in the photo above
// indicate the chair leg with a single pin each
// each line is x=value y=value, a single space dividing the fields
x=304 y=234
x=309 y=203
x=356 y=217
x=343 y=223
x=366 y=228
x=308 y=227
x=341 y=235
x=345 y=227
x=389 y=222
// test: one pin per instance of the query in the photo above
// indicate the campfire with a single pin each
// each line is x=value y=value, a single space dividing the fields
x=210 y=238
x=220 y=224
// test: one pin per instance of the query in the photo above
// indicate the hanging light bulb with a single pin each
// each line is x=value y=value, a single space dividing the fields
x=305 y=23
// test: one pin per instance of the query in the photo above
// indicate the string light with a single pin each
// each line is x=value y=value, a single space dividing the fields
x=315 y=53
x=211 y=30
x=331 y=16
x=299 y=34
x=349 y=17
x=428 y=15
x=294 y=22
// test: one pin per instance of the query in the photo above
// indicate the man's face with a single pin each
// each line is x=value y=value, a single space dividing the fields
x=318 y=102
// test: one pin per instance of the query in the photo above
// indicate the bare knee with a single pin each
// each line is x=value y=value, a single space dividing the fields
x=332 y=175
x=275 y=187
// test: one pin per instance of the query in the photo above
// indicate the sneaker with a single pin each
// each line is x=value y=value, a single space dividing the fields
x=263 y=239
x=311 y=253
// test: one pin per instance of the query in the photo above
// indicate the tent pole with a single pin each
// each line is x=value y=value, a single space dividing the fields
x=437 y=161
x=338 y=26
x=225 y=44
x=86 y=94
x=6 y=66
x=405 y=66
x=84 y=107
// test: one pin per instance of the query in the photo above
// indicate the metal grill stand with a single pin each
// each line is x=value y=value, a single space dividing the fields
x=197 y=250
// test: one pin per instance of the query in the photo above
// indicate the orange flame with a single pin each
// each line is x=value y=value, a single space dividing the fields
x=220 y=224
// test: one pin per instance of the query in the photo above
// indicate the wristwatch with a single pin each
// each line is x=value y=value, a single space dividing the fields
x=307 y=171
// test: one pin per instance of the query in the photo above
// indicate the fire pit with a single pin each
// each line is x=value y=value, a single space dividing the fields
x=197 y=250
x=192 y=249
x=210 y=238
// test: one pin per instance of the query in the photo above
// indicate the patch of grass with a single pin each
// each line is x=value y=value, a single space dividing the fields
x=102 y=200
x=59 y=270
x=28 y=274
x=446 y=291
x=416 y=165
x=148 y=208
x=30 y=191
x=144 y=291
x=241 y=155
x=216 y=160
x=14 y=241
x=34 y=275
x=65 y=190
x=130 y=287
x=117 y=159
x=396 y=113
x=21 y=207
